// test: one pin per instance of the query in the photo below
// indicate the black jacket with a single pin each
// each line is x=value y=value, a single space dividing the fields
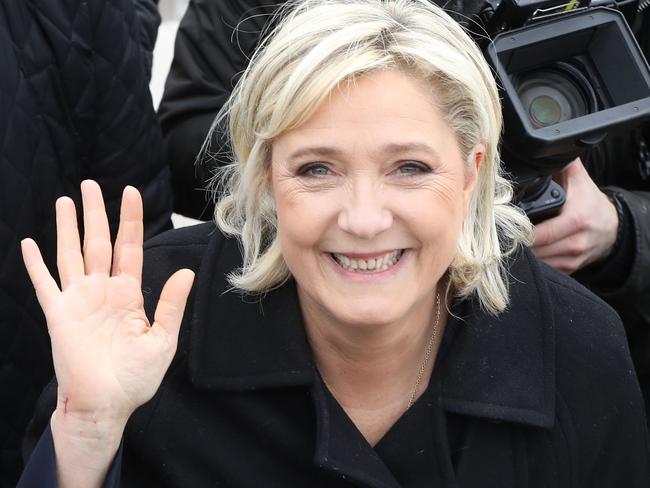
x=209 y=55
x=542 y=396
x=74 y=104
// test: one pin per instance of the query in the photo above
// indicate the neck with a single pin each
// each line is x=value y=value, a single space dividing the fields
x=375 y=367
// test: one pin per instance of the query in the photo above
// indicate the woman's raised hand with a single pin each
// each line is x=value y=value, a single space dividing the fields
x=108 y=359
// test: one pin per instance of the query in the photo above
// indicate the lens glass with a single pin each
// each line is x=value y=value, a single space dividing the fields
x=545 y=110
x=551 y=96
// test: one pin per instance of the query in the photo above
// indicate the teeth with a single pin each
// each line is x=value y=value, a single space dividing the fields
x=381 y=263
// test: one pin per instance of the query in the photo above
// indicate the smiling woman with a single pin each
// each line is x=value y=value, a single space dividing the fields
x=365 y=313
x=287 y=84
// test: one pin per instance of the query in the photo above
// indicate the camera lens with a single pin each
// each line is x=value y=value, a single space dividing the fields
x=554 y=94
x=545 y=110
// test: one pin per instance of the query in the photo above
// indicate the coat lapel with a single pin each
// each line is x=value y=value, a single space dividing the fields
x=503 y=368
x=240 y=342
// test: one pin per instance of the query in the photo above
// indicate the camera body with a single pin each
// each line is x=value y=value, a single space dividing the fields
x=569 y=75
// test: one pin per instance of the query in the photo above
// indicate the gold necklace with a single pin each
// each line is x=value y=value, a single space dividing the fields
x=427 y=354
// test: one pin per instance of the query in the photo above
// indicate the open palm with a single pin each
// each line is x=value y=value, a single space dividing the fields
x=108 y=359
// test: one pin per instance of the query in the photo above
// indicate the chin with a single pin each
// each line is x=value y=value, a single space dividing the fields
x=368 y=312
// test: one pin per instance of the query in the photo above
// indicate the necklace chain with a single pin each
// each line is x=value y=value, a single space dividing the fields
x=427 y=354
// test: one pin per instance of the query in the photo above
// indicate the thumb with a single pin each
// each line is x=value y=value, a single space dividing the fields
x=169 y=312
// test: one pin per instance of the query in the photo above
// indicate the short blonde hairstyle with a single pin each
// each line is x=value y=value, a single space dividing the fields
x=319 y=44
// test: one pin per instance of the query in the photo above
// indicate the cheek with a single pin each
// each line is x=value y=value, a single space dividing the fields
x=436 y=217
x=440 y=245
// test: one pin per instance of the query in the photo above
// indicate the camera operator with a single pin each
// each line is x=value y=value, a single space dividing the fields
x=601 y=236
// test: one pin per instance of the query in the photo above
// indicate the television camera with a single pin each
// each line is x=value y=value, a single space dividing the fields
x=570 y=74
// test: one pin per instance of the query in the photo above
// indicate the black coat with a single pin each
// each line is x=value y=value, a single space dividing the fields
x=542 y=396
x=209 y=55
x=74 y=104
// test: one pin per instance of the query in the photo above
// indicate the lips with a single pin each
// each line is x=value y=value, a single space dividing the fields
x=381 y=262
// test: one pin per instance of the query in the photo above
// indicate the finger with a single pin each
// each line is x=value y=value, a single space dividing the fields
x=45 y=286
x=560 y=248
x=97 y=236
x=127 y=258
x=565 y=255
x=69 y=259
x=575 y=168
x=566 y=265
x=552 y=230
x=569 y=171
x=545 y=252
x=169 y=312
x=580 y=246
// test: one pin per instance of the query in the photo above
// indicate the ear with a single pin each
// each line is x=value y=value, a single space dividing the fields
x=472 y=171
x=474 y=167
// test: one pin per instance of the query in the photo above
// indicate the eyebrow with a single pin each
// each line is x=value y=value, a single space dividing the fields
x=326 y=151
x=390 y=149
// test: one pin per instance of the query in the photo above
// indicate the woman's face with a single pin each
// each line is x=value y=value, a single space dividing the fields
x=371 y=193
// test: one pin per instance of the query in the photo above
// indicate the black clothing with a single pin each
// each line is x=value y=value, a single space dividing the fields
x=623 y=279
x=209 y=55
x=213 y=44
x=74 y=104
x=542 y=396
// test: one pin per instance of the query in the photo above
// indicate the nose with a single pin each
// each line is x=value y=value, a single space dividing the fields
x=364 y=213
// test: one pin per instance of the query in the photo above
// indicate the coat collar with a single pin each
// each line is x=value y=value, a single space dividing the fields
x=240 y=342
x=501 y=368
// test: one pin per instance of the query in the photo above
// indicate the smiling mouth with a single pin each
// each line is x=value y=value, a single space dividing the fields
x=379 y=263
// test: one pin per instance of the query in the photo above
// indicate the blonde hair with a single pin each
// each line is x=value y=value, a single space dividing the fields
x=315 y=46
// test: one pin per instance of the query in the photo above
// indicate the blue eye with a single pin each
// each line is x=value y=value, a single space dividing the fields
x=412 y=168
x=314 y=169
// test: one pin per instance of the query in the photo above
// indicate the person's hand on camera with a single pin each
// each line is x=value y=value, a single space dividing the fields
x=584 y=231
x=107 y=358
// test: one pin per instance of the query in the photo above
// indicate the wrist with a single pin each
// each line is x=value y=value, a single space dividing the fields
x=87 y=428
x=84 y=447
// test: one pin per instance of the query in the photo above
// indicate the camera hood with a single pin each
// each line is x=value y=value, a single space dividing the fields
x=566 y=83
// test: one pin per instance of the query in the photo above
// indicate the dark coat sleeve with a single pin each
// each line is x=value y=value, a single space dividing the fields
x=631 y=281
x=624 y=281
x=214 y=42
x=40 y=471
x=149 y=20
x=123 y=140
